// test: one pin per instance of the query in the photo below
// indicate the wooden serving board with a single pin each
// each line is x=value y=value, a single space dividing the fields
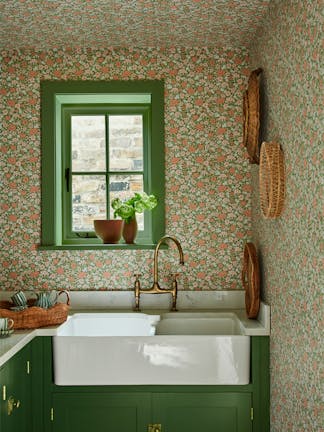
x=251 y=280
x=251 y=117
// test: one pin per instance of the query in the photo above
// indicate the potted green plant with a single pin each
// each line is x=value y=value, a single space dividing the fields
x=127 y=210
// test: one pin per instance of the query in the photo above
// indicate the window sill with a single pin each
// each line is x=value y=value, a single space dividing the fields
x=118 y=246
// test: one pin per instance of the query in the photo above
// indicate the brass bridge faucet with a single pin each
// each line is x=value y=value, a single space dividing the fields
x=156 y=289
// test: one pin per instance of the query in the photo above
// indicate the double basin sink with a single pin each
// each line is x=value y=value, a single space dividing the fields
x=175 y=348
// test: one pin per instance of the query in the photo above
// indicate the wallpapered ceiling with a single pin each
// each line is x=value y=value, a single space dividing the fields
x=289 y=50
x=207 y=173
x=118 y=23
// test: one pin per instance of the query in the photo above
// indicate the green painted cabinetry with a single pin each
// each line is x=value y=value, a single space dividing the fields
x=100 y=412
x=136 y=411
x=194 y=412
x=236 y=408
x=46 y=407
x=15 y=382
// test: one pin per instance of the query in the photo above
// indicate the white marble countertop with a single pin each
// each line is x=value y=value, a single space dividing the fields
x=9 y=346
x=216 y=301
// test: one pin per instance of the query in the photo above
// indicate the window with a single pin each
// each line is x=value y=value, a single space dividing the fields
x=100 y=140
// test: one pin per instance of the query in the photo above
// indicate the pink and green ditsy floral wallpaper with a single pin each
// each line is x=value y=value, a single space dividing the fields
x=208 y=186
x=120 y=24
x=288 y=49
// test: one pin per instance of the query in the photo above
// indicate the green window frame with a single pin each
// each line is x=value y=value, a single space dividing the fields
x=60 y=101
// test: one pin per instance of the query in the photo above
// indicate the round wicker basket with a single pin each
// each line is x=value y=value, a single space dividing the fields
x=251 y=117
x=272 y=180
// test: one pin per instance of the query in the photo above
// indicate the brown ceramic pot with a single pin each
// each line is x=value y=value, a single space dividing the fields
x=130 y=231
x=109 y=231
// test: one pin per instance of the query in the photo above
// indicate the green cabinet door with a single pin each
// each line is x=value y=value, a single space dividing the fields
x=100 y=412
x=207 y=412
x=3 y=381
x=16 y=393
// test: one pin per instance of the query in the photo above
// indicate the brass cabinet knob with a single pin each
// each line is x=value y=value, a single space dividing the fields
x=12 y=404
x=155 y=428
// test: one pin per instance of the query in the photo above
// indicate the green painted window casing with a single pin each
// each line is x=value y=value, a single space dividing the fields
x=56 y=232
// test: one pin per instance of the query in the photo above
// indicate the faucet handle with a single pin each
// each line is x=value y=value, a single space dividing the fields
x=137 y=283
x=175 y=280
x=174 y=291
x=137 y=288
x=174 y=276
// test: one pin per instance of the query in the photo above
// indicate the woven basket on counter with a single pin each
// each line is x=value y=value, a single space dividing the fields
x=34 y=316
x=272 y=180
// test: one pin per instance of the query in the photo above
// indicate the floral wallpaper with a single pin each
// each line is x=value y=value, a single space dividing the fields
x=209 y=183
x=118 y=23
x=208 y=186
x=288 y=49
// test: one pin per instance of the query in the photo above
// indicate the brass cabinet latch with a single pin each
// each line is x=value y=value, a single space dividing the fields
x=154 y=428
x=4 y=392
x=12 y=404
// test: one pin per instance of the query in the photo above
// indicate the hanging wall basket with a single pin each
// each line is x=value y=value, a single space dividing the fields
x=272 y=180
x=251 y=117
x=251 y=280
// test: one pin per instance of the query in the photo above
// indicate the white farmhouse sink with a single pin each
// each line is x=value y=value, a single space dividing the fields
x=195 y=323
x=109 y=324
x=122 y=349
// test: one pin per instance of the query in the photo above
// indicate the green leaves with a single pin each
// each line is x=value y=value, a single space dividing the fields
x=126 y=210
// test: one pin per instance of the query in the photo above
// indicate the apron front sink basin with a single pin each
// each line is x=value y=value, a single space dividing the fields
x=143 y=349
x=195 y=323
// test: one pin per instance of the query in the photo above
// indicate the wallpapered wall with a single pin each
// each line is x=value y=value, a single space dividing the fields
x=288 y=48
x=207 y=174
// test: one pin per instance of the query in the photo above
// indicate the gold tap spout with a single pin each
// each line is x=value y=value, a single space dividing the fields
x=156 y=286
x=156 y=289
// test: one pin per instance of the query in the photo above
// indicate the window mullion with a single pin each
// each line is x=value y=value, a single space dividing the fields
x=139 y=172
x=90 y=173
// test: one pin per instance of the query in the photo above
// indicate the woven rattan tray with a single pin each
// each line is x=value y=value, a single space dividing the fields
x=251 y=280
x=272 y=180
x=34 y=316
x=251 y=116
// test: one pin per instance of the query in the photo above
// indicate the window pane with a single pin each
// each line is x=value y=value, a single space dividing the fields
x=88 y=143
x=124 y=187
x=125 y=143
x=88 y=201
